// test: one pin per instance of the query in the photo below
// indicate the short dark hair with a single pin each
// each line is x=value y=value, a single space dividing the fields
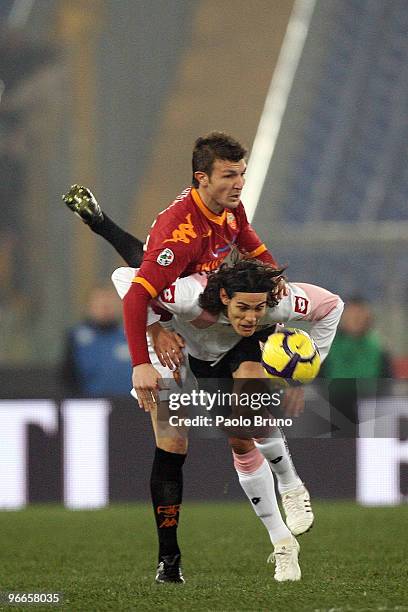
x=246 y=276
x=216 y=145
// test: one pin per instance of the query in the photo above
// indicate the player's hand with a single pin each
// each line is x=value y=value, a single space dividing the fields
x=293 y=403
x=145 y=380
x=282 y=289
x=167 y=345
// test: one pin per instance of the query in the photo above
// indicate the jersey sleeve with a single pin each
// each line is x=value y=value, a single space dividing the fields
x=122 y=280
x=320 y=308
x=249 y=242
x=182 y=297
x=170 y=247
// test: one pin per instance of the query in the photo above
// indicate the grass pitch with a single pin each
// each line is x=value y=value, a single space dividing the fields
x=354 y=559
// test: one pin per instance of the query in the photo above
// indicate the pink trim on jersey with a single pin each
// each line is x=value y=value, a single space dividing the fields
x=248 y=463
x=322 y=301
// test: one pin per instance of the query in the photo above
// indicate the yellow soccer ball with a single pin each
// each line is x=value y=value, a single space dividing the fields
x=291 y=354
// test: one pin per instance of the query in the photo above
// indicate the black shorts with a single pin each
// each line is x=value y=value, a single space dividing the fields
x=247 y=349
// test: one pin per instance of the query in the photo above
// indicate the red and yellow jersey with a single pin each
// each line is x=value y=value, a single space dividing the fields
x=188 y=237
x=185 y=238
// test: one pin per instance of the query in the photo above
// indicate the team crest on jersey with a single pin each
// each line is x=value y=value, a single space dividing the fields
x=165 y=258
x=301 y=304
x=231 y=220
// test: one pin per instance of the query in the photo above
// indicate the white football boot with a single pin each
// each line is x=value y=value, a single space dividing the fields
x=285 y=557
x=299 y=514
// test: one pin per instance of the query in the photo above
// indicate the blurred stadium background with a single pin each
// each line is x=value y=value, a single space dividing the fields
x=113 y=95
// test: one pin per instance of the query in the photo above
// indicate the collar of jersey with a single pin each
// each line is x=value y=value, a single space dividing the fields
x=219 y=219
x=223 y=319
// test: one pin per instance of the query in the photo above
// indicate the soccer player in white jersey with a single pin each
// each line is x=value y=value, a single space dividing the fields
x=222 y=324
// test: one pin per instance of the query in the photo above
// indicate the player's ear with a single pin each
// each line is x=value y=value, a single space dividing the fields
x=224 y=297
x=201 y=177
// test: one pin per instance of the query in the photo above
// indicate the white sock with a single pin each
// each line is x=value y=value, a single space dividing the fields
x=276 y=452
x=260 y=489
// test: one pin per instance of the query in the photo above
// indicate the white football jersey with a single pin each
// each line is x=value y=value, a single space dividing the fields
x=208 y=337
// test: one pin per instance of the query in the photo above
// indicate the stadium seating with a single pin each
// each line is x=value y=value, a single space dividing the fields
x=350 y=163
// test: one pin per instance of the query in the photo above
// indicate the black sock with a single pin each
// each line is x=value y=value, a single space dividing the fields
x=128 y=247
x=166 y=486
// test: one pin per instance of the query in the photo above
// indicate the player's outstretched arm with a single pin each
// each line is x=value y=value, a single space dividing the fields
x=83 y=203
x=320 y=308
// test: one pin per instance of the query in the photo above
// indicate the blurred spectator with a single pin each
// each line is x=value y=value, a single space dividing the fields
x=357 y=351
x=357 y=366
x=15 y=322
x=12 y=185
x=97 y=361
x=20 y=56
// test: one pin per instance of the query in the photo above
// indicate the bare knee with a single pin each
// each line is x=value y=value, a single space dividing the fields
x=173 y=445
x=249 y=369
x=240 y=446
x=170 y=439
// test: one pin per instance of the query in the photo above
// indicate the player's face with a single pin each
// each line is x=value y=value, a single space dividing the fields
x=244 y=310
x=222 y=188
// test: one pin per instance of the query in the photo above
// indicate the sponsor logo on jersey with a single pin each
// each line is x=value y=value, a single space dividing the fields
x=168 y=295
x=165 y=258
x=183 y=232
x=301 y=304
x=231 y=220
x=209 y=266
x=277 y=460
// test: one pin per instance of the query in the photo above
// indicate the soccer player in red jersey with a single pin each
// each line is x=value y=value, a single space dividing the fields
x=195 y=233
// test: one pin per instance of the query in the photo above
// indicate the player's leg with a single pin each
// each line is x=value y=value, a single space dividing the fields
x=166 y=487
x=256 y=479
x=254 y=475
x=84 y=204
x=252 y=469
x=259 y=484
x=166 y=481
x=295 y=496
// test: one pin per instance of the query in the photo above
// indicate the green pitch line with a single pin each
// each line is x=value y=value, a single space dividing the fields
x=354 y=559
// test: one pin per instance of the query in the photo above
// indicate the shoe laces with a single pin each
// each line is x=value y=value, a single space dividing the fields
x=297 y=503
x=281 y=558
